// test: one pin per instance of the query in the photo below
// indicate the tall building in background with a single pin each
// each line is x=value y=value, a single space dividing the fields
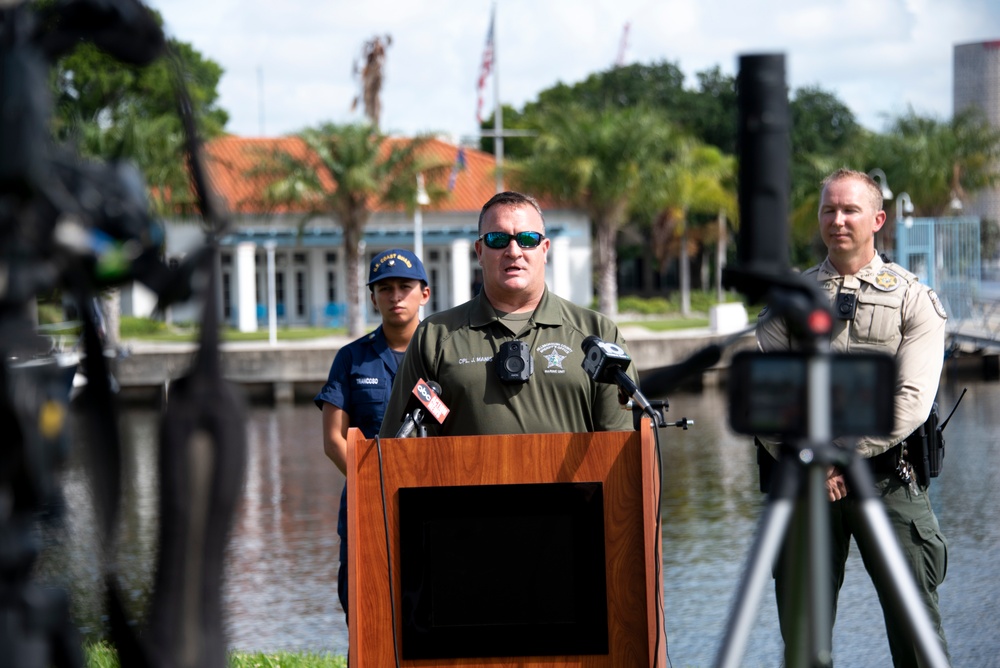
x=977 y=84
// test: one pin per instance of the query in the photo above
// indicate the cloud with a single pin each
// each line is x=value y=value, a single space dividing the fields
x=877 y=56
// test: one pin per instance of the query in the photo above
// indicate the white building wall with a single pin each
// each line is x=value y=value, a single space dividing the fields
x=448 y=236
x=461 y=274
x=245 y=286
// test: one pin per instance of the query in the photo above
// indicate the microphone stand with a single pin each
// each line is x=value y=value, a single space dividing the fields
x=632 y=391
x=413 y=421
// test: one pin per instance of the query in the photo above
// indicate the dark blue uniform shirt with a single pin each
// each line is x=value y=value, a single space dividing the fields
x=359 y=382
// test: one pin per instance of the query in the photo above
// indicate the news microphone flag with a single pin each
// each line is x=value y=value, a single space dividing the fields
x=431 y=401
x=456 y=168
x=486 y=67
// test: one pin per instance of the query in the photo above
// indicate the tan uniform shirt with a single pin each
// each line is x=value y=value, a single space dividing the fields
x=896 y=315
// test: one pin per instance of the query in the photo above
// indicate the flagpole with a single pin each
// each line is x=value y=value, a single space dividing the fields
x=497 y=109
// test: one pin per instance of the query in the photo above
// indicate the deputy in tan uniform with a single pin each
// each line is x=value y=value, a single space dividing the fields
x=878 y=306
x=545 y=389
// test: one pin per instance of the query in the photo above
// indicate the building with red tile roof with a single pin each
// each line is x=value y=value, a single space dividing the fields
x=309 y=281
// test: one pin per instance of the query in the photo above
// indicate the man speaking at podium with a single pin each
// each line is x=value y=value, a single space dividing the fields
x=509 y=360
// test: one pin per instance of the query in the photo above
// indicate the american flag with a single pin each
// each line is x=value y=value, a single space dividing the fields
x=484 y=70
x=457 y=167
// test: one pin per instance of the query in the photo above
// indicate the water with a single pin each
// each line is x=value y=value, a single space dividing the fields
x=281 y=587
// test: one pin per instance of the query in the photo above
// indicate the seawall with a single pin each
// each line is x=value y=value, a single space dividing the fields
x=295 y=370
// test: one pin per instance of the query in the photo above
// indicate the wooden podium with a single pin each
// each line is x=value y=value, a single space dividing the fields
x=625 y=465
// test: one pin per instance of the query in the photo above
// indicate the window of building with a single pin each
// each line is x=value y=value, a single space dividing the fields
x=300 y=293
x=434 y=293
x=331 y=286
x=279 y=292
x=227 y=297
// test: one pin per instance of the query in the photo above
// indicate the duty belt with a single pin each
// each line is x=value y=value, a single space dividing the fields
x=886 y=462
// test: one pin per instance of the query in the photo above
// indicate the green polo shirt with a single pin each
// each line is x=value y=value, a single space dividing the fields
x=455 y=348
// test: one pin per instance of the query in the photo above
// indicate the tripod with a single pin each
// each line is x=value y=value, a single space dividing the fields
x=800 y=477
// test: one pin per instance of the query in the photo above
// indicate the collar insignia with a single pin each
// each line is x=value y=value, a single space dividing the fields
x=886 y=280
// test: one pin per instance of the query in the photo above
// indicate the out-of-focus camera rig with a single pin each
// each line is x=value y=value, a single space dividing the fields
x=807 y=449
x=81 y=226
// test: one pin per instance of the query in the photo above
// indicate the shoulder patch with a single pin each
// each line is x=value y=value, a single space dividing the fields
x=938 y=306
x=886 y=280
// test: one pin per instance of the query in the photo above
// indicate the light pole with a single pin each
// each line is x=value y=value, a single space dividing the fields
x=879 y=177
x=956 y=203
x=904 y=210
x=418 y=226
x=272 y=307
x=418 y=218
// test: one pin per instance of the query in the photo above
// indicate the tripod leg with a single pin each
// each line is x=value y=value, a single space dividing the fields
x=804 y=583
x=767 y=543
x=820 y=594
x=905 y=601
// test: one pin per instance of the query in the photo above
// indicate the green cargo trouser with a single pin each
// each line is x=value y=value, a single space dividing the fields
x=924 y=549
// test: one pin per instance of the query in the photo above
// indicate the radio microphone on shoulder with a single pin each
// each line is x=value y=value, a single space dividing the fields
x=425 y=398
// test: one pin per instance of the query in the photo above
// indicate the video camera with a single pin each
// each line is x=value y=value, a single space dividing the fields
x=772 y=393
x=77 y=226
x=769 y=394
x=65 y=220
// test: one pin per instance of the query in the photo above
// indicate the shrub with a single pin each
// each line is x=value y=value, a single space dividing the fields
x=134 y=326
x=644 y=305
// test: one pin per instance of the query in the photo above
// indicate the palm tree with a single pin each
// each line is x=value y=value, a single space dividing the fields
x=370 y=71
x=936 y=160
x=347 y=171
x=595 y=160
x=697 y=180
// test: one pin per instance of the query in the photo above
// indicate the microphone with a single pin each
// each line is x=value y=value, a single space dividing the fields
x=425 y=399
x=606 y=362
x=665 y=379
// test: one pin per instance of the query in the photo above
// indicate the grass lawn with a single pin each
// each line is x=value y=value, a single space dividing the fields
x=667 y=324
x=102 y=655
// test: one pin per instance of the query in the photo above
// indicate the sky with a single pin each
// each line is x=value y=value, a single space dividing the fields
x=288 y=64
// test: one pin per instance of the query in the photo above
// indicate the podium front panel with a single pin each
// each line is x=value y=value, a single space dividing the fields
x=619 y=464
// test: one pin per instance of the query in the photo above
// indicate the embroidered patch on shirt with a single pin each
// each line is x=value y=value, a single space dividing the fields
x=938 y=306
x=886 y=280
x=554 y=354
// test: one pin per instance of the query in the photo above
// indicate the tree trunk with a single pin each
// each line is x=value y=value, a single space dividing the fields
x=704 y=265
x=353 y=253
x=685 y=274
x=607 y=268
x=111 y=306
x=720 y=255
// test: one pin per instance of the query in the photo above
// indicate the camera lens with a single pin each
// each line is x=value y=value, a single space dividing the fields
x=514 y=364
x=845 y=308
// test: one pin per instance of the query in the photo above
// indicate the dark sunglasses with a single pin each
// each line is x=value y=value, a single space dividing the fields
x=500 y=240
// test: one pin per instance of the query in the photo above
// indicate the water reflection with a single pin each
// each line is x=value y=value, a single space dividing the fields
x=282 y=560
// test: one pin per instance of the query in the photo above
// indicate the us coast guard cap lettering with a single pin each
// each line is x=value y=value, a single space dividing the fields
x=396 y=263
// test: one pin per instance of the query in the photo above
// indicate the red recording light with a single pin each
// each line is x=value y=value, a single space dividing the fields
x=820 y=322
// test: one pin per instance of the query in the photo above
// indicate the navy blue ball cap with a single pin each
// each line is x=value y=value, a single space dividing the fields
x=396 y=263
